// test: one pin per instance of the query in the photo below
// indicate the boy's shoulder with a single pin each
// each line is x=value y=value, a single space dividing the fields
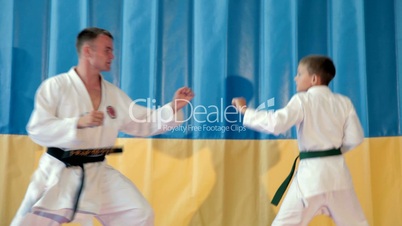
x=320 y=93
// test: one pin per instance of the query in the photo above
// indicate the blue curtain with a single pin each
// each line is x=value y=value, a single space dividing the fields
x=220 y=49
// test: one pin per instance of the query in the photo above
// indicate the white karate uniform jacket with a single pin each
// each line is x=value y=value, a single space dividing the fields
x=59 y=103
x=324 y=120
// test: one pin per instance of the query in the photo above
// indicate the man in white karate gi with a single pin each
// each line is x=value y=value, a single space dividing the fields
x=79 y=113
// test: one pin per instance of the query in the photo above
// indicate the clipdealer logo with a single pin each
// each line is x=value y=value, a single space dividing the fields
x=225 y=117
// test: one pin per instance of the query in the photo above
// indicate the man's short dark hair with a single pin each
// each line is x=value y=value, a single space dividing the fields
x=90 y=34
x=321 y=66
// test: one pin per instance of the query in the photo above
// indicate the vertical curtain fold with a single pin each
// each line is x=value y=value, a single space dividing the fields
x=381 y=68
x=6 y=56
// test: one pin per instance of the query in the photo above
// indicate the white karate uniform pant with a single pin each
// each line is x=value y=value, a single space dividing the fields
x=342 y=206
x=121 y=204
x=133 y=217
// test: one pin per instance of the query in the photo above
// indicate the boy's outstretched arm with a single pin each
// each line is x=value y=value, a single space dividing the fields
x=240 y=104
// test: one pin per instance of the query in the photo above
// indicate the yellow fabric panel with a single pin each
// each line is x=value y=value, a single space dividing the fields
x=218 y=182
x=17 y=162
x=386 y=180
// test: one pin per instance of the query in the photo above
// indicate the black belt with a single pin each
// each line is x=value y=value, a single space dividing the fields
x=79 y=158
x=303 y=155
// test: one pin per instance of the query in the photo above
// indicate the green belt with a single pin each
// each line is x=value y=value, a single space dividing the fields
x=303 y=155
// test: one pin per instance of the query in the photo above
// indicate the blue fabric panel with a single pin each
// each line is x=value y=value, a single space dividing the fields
x=381 y=69
x=6 y=56
x=138 y=48
x=312 y=32
x=210 y=20
x=66 y=19
x=346 y=32
x=221 y=49
x=278 y=60
x=242 y=77
x=398 y=26
x=22 y=61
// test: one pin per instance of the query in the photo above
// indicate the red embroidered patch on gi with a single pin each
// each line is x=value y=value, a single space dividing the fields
x=111 y=112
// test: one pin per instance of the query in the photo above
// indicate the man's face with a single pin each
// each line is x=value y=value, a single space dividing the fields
x=303 y=79
x=101 y=53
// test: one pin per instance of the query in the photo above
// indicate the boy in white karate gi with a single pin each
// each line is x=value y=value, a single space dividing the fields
x=79 y=110
x=327 y=127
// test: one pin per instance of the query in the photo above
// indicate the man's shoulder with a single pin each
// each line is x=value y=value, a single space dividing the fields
x=111 y=86
x=56 y=79
x=114 y=90
x=56 y=83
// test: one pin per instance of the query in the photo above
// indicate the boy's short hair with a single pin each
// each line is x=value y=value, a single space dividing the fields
x=320 y=65
x=90 y=34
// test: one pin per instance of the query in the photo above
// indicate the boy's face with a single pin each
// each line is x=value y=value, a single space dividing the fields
x=303 y=79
